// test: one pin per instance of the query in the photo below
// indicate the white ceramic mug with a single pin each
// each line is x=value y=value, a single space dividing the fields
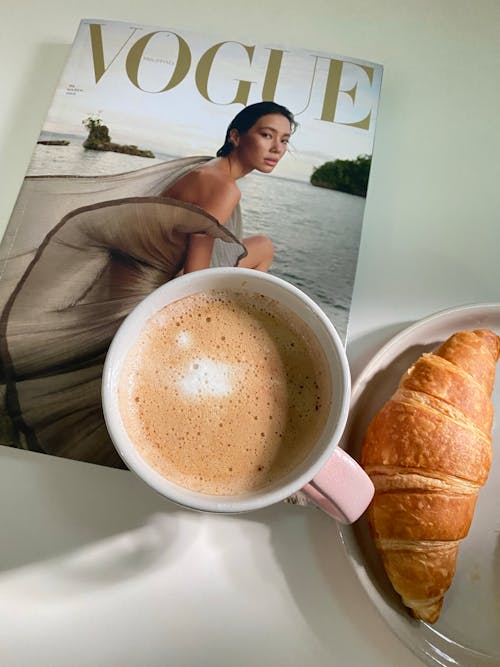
x=329 y=477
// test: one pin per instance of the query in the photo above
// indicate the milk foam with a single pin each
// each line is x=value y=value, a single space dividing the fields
x=183 y=339
x=225 y=392
x=205 y=377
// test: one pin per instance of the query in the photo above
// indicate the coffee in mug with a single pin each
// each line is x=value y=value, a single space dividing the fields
x=225 y=392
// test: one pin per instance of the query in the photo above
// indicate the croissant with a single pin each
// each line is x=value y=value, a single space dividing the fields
x=428 y=453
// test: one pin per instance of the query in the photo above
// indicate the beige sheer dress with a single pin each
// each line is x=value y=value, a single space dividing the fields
x=79 y=253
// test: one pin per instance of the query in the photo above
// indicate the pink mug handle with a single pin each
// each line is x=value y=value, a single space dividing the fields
x=342 y=488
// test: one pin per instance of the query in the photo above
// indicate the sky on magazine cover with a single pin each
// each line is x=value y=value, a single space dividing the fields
x=181 y=121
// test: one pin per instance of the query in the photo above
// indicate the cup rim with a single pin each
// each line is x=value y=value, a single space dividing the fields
x=122 y=342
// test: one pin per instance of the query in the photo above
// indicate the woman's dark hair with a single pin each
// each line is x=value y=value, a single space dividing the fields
x=247 y=118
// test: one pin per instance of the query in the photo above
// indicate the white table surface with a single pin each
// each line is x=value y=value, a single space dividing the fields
x=96 y=569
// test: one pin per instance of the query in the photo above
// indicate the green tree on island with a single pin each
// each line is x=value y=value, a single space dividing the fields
x=98 y=133
x=349 y=176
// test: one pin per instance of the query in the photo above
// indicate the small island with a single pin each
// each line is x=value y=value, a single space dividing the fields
x=99 y=140
x=350 y=176
x=53 y=142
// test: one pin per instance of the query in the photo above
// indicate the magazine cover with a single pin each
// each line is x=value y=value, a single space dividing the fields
x=116 y=202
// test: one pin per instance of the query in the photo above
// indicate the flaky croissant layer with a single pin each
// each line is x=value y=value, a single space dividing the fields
x=428 y=452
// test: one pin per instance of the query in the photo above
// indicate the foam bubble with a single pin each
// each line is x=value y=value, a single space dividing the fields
x=206 y=377
x=183 y=339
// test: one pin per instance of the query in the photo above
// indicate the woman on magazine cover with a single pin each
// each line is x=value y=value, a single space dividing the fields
x=117 y=239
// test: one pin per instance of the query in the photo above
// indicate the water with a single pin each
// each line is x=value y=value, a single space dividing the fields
x=76 y=160
x=315 y=231
x=316 y=236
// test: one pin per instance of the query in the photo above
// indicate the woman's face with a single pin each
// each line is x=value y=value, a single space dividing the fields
x=264 y=144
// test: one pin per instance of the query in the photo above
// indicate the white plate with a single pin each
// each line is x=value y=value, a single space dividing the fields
x=467 y=633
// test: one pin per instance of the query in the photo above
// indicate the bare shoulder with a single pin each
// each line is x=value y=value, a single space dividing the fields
x=212 y=181
x=209 y=189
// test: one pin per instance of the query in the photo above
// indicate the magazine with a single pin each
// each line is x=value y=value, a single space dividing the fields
x=137 y=109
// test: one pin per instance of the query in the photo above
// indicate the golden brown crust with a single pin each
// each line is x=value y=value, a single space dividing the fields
x=476 y=352
x=438 y=377
x=428 y=453
x=421 y=574
x=416 y=436
x=422 y=515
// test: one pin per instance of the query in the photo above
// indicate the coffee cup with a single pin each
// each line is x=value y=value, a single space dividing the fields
x=294 y=387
